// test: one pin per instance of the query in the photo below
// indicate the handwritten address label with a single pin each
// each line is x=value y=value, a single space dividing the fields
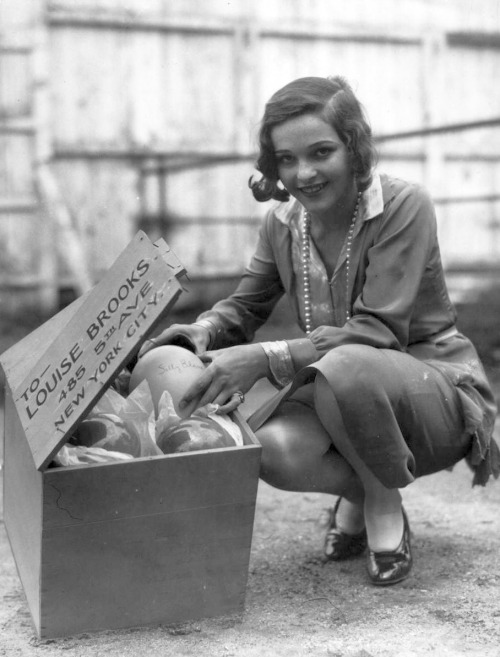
x=85 y=357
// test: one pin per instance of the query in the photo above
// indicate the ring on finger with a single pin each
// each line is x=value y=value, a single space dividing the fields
x=240 y=396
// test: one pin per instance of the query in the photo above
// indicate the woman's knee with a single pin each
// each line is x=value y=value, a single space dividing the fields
x=352 y=371
x=288 y=450
x=279 y=467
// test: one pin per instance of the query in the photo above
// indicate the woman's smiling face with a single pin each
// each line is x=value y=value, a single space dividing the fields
x=314 y=164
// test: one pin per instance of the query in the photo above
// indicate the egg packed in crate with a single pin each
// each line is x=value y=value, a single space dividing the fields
x=170 y=371
x=169 y=368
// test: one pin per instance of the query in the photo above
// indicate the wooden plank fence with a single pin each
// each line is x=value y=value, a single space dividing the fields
x=116 y=115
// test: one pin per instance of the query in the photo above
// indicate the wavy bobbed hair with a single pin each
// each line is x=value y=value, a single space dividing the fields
x=334 y=101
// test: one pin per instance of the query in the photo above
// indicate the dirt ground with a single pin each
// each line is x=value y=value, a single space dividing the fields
x=296 y=604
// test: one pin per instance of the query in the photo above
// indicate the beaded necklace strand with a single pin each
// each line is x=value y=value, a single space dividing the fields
x=306 y=257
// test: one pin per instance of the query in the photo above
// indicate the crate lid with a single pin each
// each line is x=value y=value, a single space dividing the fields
x=59 y=371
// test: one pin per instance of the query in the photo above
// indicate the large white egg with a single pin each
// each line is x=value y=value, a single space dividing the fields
x=169 y=368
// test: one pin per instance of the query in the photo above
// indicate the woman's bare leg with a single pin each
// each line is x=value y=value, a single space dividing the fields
x=297 y=455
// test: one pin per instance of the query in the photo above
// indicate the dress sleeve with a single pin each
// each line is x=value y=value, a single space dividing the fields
x=236 y=318
x=396 y=264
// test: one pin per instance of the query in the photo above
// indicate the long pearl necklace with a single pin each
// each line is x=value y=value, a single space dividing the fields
x=306 y=257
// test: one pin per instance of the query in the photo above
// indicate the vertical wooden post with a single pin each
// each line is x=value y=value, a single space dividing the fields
x=60 y=236
x=245 y=87
x=434 y=89
x=48 y=293
x=433 y=98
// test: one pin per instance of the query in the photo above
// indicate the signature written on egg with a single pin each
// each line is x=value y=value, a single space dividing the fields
x=179 y=366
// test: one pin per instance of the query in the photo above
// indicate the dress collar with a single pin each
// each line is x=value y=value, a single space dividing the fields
x=372 y=204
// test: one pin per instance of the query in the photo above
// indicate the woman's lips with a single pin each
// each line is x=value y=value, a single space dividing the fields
x=312 y=190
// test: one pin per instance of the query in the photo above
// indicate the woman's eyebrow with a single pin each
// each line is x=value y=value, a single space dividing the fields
x=316 y=143
x=324 y=141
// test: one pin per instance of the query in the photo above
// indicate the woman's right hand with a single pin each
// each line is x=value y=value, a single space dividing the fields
x=194 y=337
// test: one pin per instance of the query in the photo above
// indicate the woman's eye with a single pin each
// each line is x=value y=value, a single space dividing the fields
x=284 y=159
x=323 y=152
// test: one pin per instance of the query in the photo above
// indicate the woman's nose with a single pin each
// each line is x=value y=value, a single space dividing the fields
x=305 y=171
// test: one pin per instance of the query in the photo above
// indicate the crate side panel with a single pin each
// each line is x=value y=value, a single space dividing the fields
x=146 y=570
x=157 y=485
x=22 y=506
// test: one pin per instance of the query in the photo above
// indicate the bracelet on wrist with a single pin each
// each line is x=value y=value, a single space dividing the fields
x=280 y=362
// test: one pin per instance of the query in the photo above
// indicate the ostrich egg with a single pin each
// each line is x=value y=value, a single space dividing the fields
x=169 y=368
x=193 y=434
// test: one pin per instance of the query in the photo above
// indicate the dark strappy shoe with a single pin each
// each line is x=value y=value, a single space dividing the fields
x=339 y=545
x=391 y=566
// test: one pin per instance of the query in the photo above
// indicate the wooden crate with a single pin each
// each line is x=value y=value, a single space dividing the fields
x=154 y=540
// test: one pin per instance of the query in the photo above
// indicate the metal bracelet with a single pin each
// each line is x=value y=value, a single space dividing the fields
x=280 y=361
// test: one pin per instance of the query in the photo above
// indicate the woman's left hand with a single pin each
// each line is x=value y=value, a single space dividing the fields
x=229 y=374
